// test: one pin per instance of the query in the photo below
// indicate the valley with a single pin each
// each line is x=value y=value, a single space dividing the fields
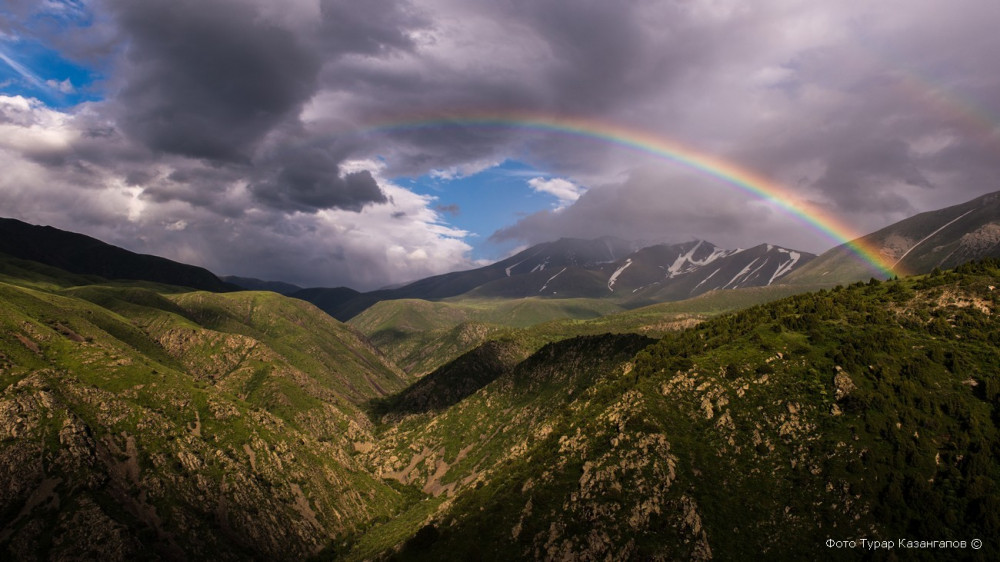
x=142 y=419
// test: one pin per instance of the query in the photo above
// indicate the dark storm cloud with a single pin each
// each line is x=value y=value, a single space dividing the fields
x=209 y=79
x=586 y=58
x=310 y=179
x=371 y=27
x=854 y=174
x=196 y=185
x=599 y=52
x=213 y=80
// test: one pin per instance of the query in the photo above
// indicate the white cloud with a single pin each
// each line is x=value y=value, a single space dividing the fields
x=466 y=169
x=565 y=191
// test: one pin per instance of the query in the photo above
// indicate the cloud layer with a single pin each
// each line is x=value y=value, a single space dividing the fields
x=238 y=134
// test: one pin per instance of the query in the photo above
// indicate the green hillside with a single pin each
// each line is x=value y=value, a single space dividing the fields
x=863 y=412
x=147 y=421
x=421 y=336
x=191 y=425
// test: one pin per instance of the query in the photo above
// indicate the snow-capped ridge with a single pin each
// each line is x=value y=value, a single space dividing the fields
x=654 y=272
x=686 y=262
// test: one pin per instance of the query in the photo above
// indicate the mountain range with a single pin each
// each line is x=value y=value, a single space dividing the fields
x=602 y=268
x=142 y=419
x=633 y=276
x=627 y=274
x=145 y=421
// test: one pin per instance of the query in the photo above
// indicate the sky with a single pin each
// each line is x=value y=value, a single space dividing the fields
x=335 y=142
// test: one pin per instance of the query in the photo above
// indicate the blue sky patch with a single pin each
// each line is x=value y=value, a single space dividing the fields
x=485 y=202
x=29 y=68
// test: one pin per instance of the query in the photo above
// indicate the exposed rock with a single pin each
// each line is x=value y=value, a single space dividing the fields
x=707 y=408
x=692 y=521
x=842 y=384
x=981 y=240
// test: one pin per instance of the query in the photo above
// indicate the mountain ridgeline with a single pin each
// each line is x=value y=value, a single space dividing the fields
x=944 y=238
x=631 y=275
x=604 y=268
x=84 y=255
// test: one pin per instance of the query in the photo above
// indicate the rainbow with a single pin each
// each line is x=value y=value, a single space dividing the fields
x=664 y=148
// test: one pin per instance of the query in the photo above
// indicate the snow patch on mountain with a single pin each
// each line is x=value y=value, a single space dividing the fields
x=508 y=269
x=929 y=236
x=787 y=266
x=710 y=275
x=513 y=266
x=550 y=280
x=614 y=276
x=686 y=262
x=742 y=273
x=653 y=284
x=541 y=266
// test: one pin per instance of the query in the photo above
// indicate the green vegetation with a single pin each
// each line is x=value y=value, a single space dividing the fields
x=137 y=419
x=421 y=336
x=866 y=411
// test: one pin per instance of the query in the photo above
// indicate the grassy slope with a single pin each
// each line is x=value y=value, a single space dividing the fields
x=188 y=424
x=421 y=335
x=868 y=411
x=227 y=426
x=475 y=441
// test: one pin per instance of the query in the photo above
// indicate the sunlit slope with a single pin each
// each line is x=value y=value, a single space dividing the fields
x=867 y=411
x=659 y=319
x=422 y=335
x=189 y=425
x=479 y=439
x=944 y=238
